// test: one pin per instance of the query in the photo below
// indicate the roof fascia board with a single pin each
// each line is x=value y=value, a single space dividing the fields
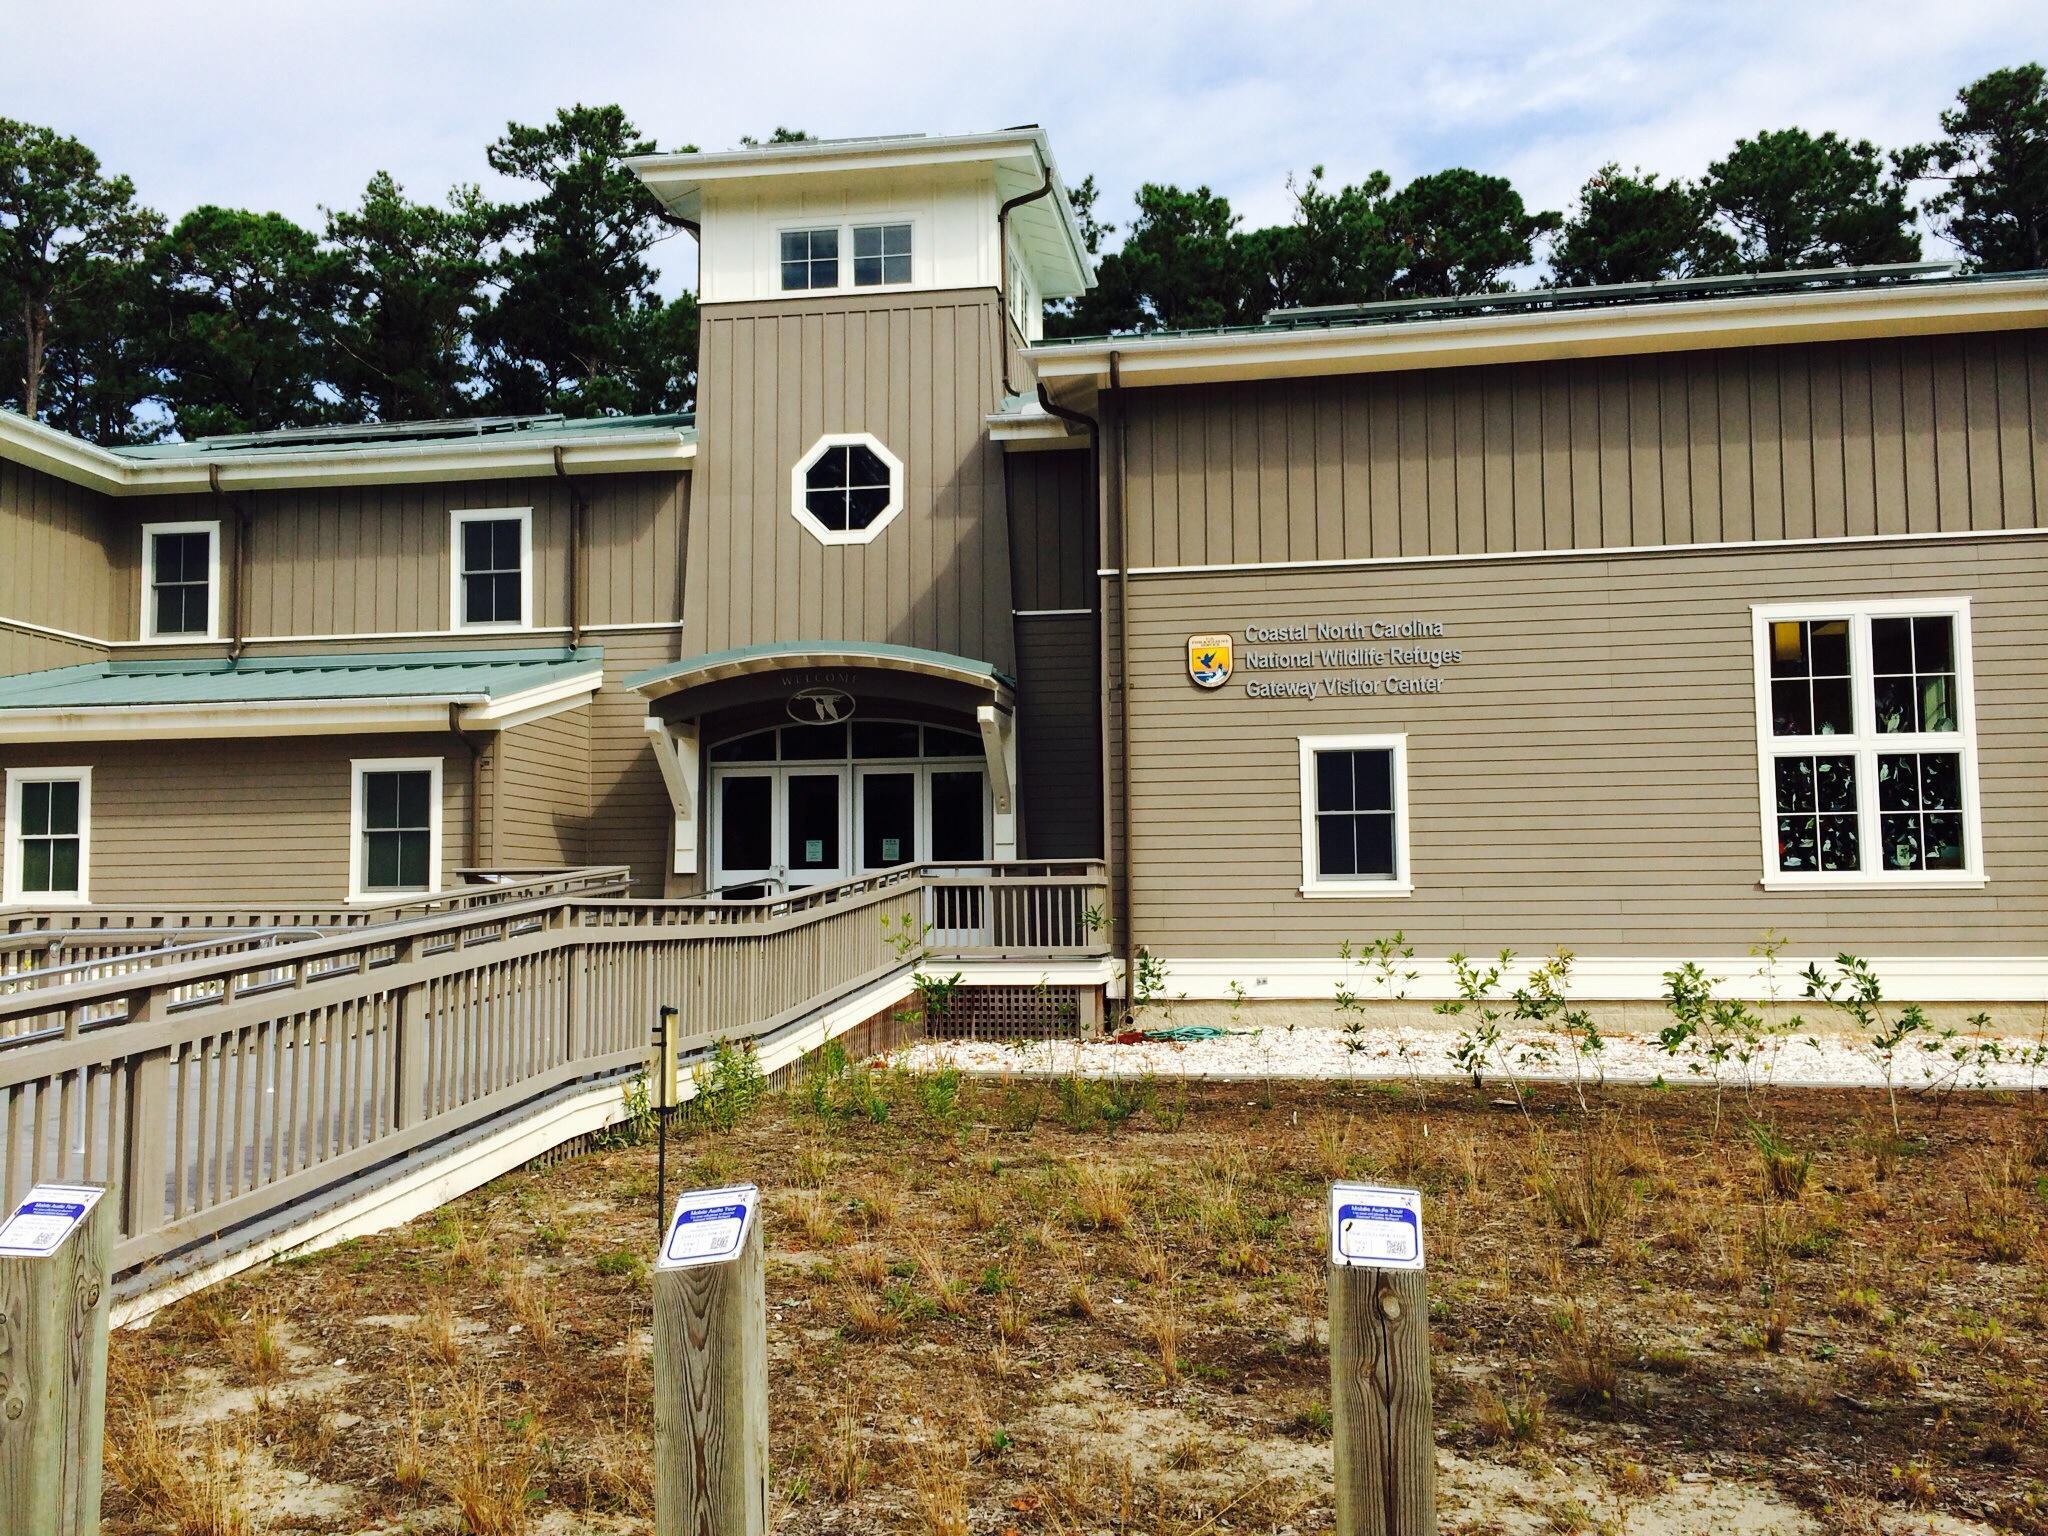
x=1914 y=310
x=691 y=170
x=81 y=463
x=296 y=717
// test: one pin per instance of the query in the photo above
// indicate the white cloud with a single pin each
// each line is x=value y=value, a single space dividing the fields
x=286 y=105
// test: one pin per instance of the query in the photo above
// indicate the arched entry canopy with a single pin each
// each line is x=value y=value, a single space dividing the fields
x=700 y=700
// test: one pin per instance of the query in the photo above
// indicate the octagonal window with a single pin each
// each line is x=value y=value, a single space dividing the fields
x=847 y=488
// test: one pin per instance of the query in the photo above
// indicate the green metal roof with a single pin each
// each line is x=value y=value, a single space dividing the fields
x=452 y=432
x=798 y=651
x=334 y=678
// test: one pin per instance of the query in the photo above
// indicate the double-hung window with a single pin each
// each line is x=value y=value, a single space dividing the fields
x=493 y=569
x=395 y=827
x=1354 y=816
x=1868 y=744
x=180 y=581
x=49 y=824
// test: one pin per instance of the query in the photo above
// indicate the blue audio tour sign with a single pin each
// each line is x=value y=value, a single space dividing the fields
x=709 y=1226
x=45 y=1218
x=1374 y=1228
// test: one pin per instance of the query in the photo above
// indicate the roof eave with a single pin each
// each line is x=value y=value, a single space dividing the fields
x=81 y=463
x=1766 y=320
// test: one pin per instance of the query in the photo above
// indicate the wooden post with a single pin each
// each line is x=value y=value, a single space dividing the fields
x=711 y=1395
x=53 y=1379
x=409 y=1090
x=1382 y=1427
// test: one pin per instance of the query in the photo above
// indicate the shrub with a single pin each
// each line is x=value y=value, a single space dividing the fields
x=729 y=1089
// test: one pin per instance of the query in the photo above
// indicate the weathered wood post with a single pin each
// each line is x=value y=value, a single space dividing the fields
x=711 y=1368
x=55 y=1292
x=1382 y=1426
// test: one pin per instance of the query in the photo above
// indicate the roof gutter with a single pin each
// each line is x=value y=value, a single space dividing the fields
x=1907 y=309
x=1003 y=266
x=82 y=463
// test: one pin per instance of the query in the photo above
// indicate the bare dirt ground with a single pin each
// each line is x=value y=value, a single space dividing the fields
x=1078 y=1306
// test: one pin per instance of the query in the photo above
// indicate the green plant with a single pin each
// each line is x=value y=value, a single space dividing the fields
x=1479 y=1045
x=938 y=1098
x=1854 y=990
x=1350 y=1011
x=1561 y=1029
x=1784 y=1169
x=905 y=935
x=1949 y=1058
x=729 y=1088
x=1706 y=1029
x=1148 y=984
x=1387 y=961
x=640 y=1122
x=935 y=996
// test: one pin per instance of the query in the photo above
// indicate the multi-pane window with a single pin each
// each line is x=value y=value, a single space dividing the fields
x=1869 y=762
x=1354 y=837
x=397 y=830
x=178 y=568
x=493 y=551
x=881 y=255
x=847 y=488
x=810 y=259
x=46 y=859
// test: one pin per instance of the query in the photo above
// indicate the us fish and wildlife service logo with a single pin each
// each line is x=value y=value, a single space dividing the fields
x=1209 y=660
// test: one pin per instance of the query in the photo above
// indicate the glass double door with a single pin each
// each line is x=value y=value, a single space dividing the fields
x=795 y=826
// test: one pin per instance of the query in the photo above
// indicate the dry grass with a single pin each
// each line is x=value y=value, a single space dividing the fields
x=966 y=1325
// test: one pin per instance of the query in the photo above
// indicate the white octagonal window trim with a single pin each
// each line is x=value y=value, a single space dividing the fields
x=847 y=489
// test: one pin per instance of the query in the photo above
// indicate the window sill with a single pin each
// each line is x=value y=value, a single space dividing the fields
x=371 y=898
x=1944 y=881
x=520 y=628
x=1362 y=890
x=48 y=899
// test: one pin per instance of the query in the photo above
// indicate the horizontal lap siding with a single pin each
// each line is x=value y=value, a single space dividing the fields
x=205 y=822
x=1946 y=434
x=54 y=568
x=919 y=371
x=1589 y=775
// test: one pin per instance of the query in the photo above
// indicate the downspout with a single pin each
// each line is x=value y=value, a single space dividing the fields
x=238 y=581
x=476 y=785
x=1123 y=667
x=576 y=510
x=1003 y=271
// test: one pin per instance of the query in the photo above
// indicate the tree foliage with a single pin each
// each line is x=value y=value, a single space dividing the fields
x=61 y=219
x=116 y=328
x=1992 y=161
x=1794 y=199
x=1632 y=227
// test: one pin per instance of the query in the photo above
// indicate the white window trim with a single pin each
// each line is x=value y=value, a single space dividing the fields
x=10 y=883
x=797 y=487
x=359 y=767
x=846 y=227
x=1865 y=743
x=456 y=522
x=1352 y=886
x=149 y=532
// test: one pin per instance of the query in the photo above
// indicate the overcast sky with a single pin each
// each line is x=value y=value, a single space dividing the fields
x=290 y=105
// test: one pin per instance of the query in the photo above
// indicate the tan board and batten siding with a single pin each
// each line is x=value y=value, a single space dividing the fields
x=1059 y=689
x=1588 y=777
x=53 y=570
x=374 y=560
x=919 y=371
x=1844 y=439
